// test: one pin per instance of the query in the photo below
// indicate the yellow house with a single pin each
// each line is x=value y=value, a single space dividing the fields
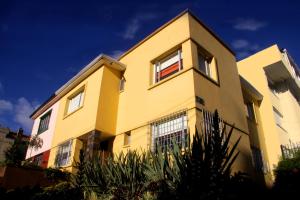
x=276 y=113
x=156 y=91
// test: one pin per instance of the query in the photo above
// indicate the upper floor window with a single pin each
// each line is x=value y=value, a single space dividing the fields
x=127 y=138
x=250 y=111
x=258 y=159
x=204 y=64
x=75 y=101
x=170 y=129
x=207 y=64
x=63 y=154
x=122 y=84
x=278 y=117
x=167 y=66
x=44 y=122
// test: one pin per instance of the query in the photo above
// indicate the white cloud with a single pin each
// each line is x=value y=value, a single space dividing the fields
x=244 y=48
x=17 y=112
x=248 y=24
x=135 y=24
x=239 y=44
x=116 y=54
x=23 y=109
x=5 y=106
x=131 y=29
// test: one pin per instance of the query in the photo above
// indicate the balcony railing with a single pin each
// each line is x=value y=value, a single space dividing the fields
x=291 y=66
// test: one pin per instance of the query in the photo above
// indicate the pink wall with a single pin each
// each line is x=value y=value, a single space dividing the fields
x=47 y=135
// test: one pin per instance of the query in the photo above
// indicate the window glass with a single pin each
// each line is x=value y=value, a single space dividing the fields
x=75 y=102
x=44 y=122
x=169 y=129
x=63 y=154
x=204 y=64
x=278 y=117
x=122 y=84
x=168 y=66
x=250 y=111
x=127 y=138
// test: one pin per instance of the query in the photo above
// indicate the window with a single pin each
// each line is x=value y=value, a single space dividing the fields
x=278 y=117
x=127 y=138
x=122 y=84
x=44 y=122
x=204 y=64
x=75 y=102
x=257 y=159
x=63 y=154
x=207 y=64
x=38 y=160
x=250 y=111
x=167 y=66
x=169 y=129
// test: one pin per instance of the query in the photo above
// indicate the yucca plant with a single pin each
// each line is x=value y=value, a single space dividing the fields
x=200 y=171
x=122 y=177
x=208 y=163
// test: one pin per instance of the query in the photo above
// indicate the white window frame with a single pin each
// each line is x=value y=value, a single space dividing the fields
x=64 y=150
x=127 y=138
x=122 y=84
x=175 y=56
x=250 y=112
x=75 y=102
x=44 y=122
x=207 y=64
x=278 y=117
x=176 y=124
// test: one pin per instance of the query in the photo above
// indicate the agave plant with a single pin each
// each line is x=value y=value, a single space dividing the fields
x=199 y=171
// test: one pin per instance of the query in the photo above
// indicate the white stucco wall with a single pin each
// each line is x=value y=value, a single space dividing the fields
x=291 y=115
x=47 y=135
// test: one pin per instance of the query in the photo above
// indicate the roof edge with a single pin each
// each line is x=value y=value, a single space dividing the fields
x=106 y=58
x=169 y=22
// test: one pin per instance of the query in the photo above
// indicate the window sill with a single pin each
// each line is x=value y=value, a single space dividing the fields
x=207 y=77
x=39 y=133
x=71 y=113
x=281 y=128
x=169 y=78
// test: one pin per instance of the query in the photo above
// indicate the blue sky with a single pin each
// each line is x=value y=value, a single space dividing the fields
x=44 y=43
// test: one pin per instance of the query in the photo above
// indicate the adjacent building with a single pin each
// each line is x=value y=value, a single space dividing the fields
x=273 y=110
x=43 y=129
x=7 y=139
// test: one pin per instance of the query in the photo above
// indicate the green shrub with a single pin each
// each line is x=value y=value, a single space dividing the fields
x=288 y=174
x=57 y=175
x=202 y=171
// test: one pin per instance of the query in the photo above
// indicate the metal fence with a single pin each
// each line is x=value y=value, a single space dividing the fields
x=208 y=120
x=289 y=150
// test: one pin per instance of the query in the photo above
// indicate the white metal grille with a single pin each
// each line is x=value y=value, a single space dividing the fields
x=167 y=129
x=63 y=154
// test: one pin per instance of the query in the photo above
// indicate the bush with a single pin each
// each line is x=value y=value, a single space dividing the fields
x=56 y=175
x=288 y=174
x=200 y=172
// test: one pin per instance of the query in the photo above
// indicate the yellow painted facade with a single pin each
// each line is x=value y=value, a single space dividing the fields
x=108 y=119
x=272 y=74
x=111 y=113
